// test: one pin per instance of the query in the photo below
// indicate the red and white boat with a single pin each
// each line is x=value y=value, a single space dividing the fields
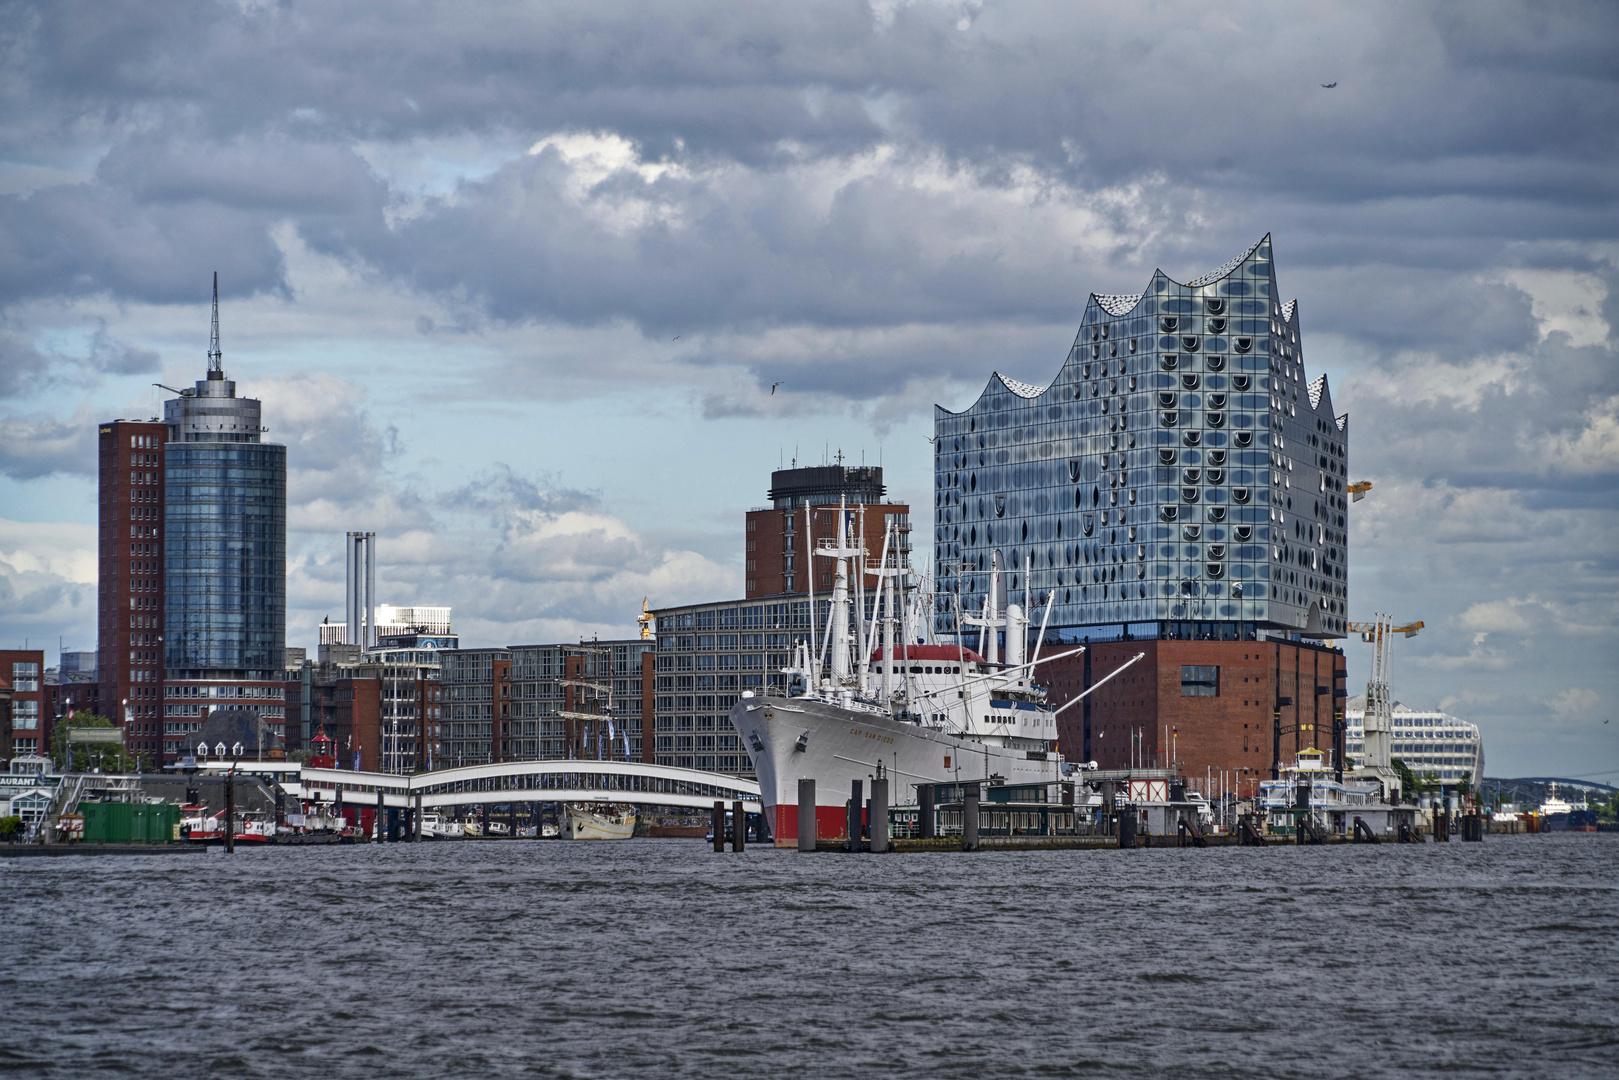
x=200 y=827
x=917 y=714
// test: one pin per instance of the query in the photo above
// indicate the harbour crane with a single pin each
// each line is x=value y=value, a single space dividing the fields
x=646 y=619
x=1358 y=490
x=1377 y=724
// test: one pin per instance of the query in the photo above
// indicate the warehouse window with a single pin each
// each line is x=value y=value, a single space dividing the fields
x=1199 y=681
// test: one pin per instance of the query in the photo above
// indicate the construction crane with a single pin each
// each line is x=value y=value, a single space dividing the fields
x=1377 y=723
x=645 y=619
x=1358 y=490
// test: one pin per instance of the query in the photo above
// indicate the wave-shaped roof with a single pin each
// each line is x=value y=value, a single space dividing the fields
x=1117 y=304
x=1022 y=389
x=1226 y=267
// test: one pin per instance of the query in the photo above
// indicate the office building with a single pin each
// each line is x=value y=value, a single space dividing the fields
x=1427 y=741
x=808 y=498
x=1180 y=482
x=224 y=539
x=129 y=594
x=23 y=717
x=540 y=702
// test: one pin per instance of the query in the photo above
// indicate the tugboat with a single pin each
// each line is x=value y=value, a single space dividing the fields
x=921 y=713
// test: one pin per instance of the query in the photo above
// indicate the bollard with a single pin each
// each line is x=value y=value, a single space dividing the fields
x=739 y=827
x=337 y=807
x=929 y=826
x=854 y=808
x=230 y=812
x=511 y=820
x=879 y=814
x=381 y=815
x=807 y=830
x=416 y=820
x=1127 y=827
x=719 y=825
x=969 y=817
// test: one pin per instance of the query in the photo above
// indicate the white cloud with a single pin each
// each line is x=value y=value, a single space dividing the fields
x=1574 y=702
x=1565 y=301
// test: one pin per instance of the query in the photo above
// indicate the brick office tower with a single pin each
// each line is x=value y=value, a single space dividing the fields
x=1180 y=489
x=129 y=659
x=224 y=558
x=24 y=720
x=776 y=564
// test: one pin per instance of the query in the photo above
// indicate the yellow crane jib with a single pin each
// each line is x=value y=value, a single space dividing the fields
x=1358 y=490
x=645 y=619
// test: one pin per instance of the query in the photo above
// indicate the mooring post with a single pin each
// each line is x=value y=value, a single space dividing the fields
x=879 y=814
x=416 y=833
x=1127 y=826
x=739 y=827
x=230 y=812
x=856 y=805
x=719 y=825
x=806 y=815
x=969 y=817
x=382 y=813
x=930 y=827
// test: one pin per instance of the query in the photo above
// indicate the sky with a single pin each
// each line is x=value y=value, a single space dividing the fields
x=541 y=293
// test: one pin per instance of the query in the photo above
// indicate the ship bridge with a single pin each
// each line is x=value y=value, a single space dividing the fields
x=509 y=781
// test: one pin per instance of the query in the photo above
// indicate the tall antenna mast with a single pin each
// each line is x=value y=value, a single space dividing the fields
x=214 y=356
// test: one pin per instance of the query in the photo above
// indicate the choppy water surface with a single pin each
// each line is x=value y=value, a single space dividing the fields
x=657 y=958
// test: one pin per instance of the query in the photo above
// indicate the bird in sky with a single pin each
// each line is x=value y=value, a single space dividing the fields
x=773 y=387
x=934 y=439
x=1328 y=85
x=675 y=338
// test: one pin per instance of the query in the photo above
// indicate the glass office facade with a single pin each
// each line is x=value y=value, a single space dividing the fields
x=1180 y=477
x=225 y=557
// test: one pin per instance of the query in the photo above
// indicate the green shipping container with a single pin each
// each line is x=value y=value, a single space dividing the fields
x=130 y=823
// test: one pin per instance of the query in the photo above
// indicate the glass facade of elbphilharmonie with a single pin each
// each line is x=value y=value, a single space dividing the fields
x=1180 y=477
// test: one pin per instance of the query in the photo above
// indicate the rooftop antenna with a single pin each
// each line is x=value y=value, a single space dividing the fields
x=214 y=356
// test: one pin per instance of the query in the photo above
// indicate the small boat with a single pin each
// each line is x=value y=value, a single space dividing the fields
x=498 y=828
x=472 y=829
x=435 y=827
x=599 y=821
x=550 y=830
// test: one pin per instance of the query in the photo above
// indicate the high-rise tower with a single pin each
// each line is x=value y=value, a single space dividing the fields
x=224 y=556
x=129 y=618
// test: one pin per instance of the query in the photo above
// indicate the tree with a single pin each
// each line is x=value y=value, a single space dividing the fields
x=10 y=827
x=1408 y=779
x=108 y=757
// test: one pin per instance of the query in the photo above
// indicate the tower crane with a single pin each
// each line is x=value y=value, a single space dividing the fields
x=645 y=619
x=1358 y=490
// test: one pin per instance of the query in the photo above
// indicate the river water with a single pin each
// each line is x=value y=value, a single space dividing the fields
x=659 y=958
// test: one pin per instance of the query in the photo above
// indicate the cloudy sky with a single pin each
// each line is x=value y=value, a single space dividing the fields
x=515 y=281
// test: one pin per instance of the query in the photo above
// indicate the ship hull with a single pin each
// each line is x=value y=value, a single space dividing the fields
x=842 y=745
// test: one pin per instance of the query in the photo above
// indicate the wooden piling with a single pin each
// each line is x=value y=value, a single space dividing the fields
x=230 y=812
x=854 y=814
x=719 y=825
x=930 y=826
x=969 y=817
x=879 y=814
x=739 y=827
x=806 y=815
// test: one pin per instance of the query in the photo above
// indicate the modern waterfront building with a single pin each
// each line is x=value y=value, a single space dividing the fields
x=223 y=575
x=1180 y=477
x=807 y=499
x=1179 y=488
x=1427 y=741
